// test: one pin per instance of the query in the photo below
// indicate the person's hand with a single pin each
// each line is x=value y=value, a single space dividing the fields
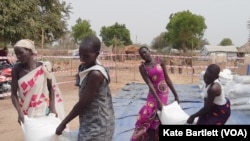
x=60 y=128
x=177 y=99
x=20 y=119
x=54 y=112
x=138 y=134
x=190 y=120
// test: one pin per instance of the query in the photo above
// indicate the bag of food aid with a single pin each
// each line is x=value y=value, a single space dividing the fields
x=44 y=128
x=173 y=114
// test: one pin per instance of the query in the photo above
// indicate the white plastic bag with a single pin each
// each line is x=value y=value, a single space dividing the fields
x=240 y=100
x=245 y=79
x=172 y=114
x=69 y=135
x=43 y=129
x=241 y=107
x=239 y=90
x=225 y=76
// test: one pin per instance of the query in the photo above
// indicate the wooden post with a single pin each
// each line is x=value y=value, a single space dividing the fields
x=42 y=42
x=192 y=63
x=115 y=69
x=134 y=71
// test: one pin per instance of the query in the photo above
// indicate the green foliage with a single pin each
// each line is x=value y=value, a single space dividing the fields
x=160 y=41
x=185 y=30
x=27 y=19
x=81 y=30
x=202 y=43
x=226 y=42
x=115 y=34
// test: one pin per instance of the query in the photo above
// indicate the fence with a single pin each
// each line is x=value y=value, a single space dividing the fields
x=123 y=66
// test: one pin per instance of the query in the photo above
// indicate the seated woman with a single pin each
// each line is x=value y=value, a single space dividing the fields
x=216 y=109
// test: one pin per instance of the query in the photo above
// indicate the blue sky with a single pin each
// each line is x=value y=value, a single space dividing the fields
x=146 y=19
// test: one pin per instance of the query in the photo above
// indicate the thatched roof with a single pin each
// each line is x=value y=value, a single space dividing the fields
x=245 y=48
x=131 y=48
x=105 y=49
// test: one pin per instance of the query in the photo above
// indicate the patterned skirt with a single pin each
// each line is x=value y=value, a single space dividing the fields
x=218 y=115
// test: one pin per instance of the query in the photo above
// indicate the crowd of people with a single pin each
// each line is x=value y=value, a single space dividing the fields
x=35 y=94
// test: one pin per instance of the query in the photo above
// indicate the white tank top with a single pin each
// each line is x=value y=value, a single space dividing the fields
x=219 y=100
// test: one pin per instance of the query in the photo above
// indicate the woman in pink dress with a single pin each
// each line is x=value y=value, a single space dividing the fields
x=154 y=73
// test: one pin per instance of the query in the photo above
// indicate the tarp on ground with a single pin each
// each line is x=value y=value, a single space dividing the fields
x=132 y=96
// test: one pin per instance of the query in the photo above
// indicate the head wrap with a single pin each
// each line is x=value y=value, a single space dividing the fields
x=26 y=43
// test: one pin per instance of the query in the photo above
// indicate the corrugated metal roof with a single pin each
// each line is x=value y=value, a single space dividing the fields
x=212 y=48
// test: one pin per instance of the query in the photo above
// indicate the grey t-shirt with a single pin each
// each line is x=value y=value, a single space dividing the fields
x=97 y=122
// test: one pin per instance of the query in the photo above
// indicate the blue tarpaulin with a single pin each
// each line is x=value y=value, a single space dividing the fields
x=131 y=98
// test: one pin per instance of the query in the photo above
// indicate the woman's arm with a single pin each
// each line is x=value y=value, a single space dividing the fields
x=213 y=91
x=14 y=96
x=51 y=97
x=168 y=81
x=88 y=94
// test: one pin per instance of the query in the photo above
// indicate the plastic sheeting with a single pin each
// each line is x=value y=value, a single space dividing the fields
x=130 y=99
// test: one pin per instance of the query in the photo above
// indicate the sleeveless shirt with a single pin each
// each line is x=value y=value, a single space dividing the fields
x=97 y=120
x=219 y=100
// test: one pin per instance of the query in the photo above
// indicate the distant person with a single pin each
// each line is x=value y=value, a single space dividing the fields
x=216 y=109
x=34 y=91
x=154 y=73
x=4 y=56
x=94 y=107
x=4 y=51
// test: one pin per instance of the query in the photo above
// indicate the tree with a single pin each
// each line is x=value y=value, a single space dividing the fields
x=66 y=42
x=185 y=30
x=81 y=29
x=202 y=43
x=160 y=41
x=226 y=42
x=32 y=19
x=115 y=32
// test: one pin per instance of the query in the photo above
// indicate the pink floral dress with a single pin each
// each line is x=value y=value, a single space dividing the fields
x=147 y=118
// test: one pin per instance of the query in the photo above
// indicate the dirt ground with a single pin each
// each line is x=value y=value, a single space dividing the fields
x=10 y=129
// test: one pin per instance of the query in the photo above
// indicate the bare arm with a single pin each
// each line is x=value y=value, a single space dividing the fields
x=14 y=96
x=168 y=81
x=150 y=85
x=95 y=79
x=213 y=91
x=51 y=97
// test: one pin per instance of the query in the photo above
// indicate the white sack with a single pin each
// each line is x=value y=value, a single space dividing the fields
x=202 y=83
x=69 y=135
x=245 y=79
x=44 y=128
x=239 y=90
x=173 y=114
x=225 y=76
x=240 y=101
x=241 y=107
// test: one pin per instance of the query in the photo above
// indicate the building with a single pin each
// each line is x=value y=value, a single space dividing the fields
x=230 y=51
x=245 y=49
